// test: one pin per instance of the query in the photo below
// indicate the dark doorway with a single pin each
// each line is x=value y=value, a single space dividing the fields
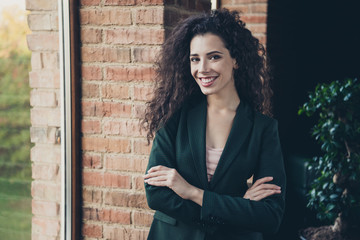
x=308 y=42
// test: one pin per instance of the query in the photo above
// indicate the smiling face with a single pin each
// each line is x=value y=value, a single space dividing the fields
x=211 y=65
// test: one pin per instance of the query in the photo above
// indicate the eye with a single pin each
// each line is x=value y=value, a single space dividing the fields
x=215 y=57
x=194 y=59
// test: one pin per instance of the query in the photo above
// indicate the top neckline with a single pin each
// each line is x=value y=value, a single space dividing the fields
x=214 y=149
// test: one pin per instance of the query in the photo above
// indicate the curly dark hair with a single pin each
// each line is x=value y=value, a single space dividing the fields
x=174 y=82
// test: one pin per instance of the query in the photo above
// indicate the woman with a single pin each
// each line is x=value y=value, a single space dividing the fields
x=212 y=134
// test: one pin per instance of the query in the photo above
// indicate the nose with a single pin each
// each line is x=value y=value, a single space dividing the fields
x=203 y=66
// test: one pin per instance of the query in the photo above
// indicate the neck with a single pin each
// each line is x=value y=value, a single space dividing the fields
x=227 y=102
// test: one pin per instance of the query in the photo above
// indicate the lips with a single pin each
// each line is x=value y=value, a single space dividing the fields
x=207 y=81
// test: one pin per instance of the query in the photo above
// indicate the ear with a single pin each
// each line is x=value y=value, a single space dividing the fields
x=236 y=66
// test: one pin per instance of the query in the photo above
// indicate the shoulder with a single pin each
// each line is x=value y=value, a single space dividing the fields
x=264 y=120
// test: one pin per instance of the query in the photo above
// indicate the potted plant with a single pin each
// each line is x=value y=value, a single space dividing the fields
x=335 y=192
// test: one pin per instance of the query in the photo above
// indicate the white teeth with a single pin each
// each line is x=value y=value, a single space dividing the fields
x=207 y=80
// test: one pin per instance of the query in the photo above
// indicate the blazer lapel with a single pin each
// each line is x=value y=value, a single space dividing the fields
x=196 y=125
x=239 y=132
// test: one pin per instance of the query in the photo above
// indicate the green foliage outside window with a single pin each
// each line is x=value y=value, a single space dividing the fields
x=335 y=193
x=15 y=164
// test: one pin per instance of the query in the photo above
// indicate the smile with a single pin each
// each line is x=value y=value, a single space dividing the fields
x=207 y=81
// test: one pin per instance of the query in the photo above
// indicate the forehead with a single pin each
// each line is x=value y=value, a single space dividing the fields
x=205 y=43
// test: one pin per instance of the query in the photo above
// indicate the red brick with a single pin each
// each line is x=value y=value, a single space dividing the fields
x=38 y=22
x=150 y=2
x=143 y=218
x=150 y=16
x=91 y=35
x=240 y=1
x=125 y=199
x=261 y=37
x=44 y=208
x=110 y=16
x=254 y=18
x=141 y=147
x=225 y=2
x=90 y=126
x=134 y=36
x=105 y=144
x=44 y=79
x=113 y=91
x=41 y=5
x=128 y=128
x=43 y=41
x=106 y=109
x=91 y=72
x=45 y=191
x=45 y=171
x=46 y=153
x=91 y=230
x=45 y=226
x=115 y=109
x=92 y=109
x=143 y=93
x=114 y=216
x=52 y=117
x=138 y=183
x=89 y=2
x=90 y=90
x=130 y=73
x=92 y=161
x=259 y=8
x=106 y=179
x=116 y=233
x=105 y=54
x=119 y=2
x=121 y=163
x=42 y=98
x=146 y=54
x=139 y=110
x=243 y=9
x=92 y=196
x=91 y=214
x=257 y=28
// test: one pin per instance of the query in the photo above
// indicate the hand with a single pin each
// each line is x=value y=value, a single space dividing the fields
x=259 y=190
x=162 y=176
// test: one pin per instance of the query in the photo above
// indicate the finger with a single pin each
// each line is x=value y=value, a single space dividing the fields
x=158 y=183
x=155 y=174
x=265 y=194
x=157 y=168
x=266 y=187
x=158 y=178
x=262 y=180
x=260 y=192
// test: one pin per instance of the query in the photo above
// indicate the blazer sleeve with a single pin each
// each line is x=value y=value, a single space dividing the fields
x=164 y=199
x=260 y=216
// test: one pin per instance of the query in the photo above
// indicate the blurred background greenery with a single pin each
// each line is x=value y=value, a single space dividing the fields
x=15 y=164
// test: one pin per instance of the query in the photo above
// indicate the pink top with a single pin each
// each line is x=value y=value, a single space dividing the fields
x=212 y=160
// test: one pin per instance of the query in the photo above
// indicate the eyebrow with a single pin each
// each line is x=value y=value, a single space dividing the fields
x=209 y=53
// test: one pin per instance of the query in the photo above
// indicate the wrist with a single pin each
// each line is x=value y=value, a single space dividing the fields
x=196 y=195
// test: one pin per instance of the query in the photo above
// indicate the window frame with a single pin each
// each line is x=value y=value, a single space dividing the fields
x=70 y=99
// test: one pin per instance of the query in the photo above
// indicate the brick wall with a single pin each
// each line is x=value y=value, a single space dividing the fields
x=254 y=14
x=120 y=40
x=45 y=118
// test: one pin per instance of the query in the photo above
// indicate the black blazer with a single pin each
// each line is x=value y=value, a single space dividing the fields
x=252 y=148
